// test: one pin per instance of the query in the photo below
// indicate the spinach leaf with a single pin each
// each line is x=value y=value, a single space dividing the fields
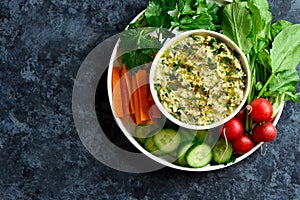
x=261 y=23
x=236 y=23
x=285 y=52
x=283 y=82
x=284 y=55
x=278 y=26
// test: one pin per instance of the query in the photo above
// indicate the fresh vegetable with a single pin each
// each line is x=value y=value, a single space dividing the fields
x=241 y=115
x=167 y=140
x=273 y=51
x=117 y=93
x=222 y=151
x=181 y=153
x=260 y=110
x=151 y=146
x=131 y=96
x=144 y=131
x=160 y=17
x=199 y=155
x=264 y=132
x=187 y=135
x=232 y=129
x=143 y=90
x=136 y=101
x=201 y=135
x=243 y=144
x=128 y=85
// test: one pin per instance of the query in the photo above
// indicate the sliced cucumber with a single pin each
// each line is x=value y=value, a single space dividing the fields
x=142 y=132
x=187 y=135
x=199 y=155
x=222 y=152
x=181 y=153
x=201 y=135
x=151 y=147
x=212 y=137
x=167 y=140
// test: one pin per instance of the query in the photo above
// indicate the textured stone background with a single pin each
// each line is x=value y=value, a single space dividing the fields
x=43 y=43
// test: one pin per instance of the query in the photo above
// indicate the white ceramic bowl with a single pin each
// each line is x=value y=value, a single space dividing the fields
x=179 y=37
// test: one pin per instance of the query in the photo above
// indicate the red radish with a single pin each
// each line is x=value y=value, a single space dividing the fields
x=232 y=129
x=260 y=110
x=243 y=144
x=241 y=115
x=264 y=133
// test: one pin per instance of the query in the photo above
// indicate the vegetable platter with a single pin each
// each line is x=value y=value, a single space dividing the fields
x=272 y=50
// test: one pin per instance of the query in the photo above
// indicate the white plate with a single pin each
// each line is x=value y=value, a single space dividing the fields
x=128 y=134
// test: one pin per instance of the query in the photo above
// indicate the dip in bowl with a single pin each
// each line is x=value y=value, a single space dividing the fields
x=200 y=79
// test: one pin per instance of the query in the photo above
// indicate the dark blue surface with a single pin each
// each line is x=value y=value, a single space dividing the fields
x=43 y=43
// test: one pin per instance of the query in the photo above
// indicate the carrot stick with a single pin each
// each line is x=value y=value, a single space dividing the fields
x=125 y=95
x=135 y=98
x=116 y=94
x=115 y=77
x=143 y=87
x=129 y=88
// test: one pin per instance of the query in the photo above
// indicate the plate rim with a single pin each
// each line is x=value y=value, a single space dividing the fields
x=158 y=159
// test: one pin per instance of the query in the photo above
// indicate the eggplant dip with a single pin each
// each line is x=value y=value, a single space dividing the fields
x=200 y=80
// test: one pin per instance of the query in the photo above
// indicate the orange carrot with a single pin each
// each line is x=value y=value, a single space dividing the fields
x=115 y=77
x=143 y=87
x=116 y=94
x=125 y=95
x=136 y=103
x=129 y=87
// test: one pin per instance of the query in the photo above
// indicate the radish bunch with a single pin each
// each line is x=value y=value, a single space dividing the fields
x=260 y=110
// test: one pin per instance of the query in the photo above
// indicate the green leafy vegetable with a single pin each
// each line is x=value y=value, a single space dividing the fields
x=278 y=26
x=285 y=52
x=273 y=51
x=236 y=23
x=165 y=15
x=284 y=82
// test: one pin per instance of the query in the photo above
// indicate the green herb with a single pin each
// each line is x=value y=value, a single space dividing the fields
x=161 y=17
x=228 y=105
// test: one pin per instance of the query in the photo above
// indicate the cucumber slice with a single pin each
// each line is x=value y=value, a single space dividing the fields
x=142 y=132
x=212 y=137
x=181 y=153
x=222 y=152
x=201 y=135
x=187 y=135
x=151 y=147
x=167 y=140
x=199 y=155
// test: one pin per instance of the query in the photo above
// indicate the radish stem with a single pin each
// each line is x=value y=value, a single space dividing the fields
x=265 y=86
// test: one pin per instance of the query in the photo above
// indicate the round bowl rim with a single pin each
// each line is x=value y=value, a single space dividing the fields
x=179 y=36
